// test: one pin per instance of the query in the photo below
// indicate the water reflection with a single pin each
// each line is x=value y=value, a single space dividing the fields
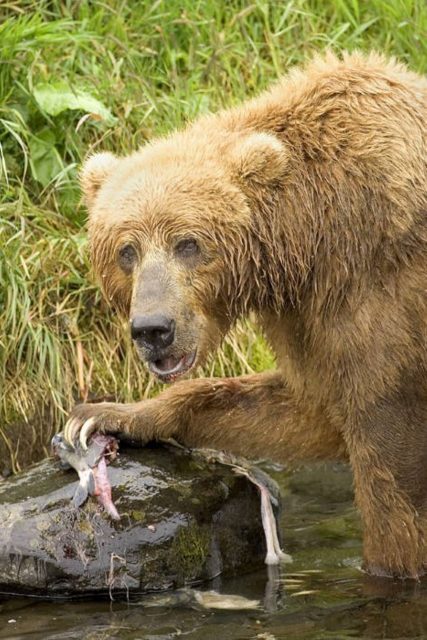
x=323 y=594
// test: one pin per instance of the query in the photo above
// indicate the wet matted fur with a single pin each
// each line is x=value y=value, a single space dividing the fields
x=307 y=206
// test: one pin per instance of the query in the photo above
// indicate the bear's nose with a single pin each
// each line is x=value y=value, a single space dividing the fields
x=154 y=331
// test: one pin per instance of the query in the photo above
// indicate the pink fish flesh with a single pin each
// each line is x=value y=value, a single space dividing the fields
x=103 y=489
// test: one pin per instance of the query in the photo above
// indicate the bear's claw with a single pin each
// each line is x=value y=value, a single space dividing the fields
x=72 y=429
x=86 y=430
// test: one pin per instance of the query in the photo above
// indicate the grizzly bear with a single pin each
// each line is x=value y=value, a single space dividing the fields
x=307 y=206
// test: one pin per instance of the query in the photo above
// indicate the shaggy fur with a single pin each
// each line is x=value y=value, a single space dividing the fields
x=309 y=207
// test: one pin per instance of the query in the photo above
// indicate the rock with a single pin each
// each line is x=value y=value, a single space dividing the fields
x=182 y=521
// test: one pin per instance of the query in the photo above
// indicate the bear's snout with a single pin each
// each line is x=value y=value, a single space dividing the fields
x=154 y=336
x=153 y=331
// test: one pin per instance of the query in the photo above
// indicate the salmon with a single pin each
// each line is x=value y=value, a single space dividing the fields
x=91 y=466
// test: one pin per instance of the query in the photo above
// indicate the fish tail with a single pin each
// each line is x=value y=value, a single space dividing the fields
x=85 y=487
x=80 y=495
x=91 y=485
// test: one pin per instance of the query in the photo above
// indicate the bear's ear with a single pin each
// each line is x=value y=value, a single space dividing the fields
x=260 y=158
x=94 y=172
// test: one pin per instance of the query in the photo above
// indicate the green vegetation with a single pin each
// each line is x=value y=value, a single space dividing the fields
x=78 y=76
x=189 y=551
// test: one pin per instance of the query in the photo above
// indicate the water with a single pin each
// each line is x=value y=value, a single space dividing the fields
x=322 y=595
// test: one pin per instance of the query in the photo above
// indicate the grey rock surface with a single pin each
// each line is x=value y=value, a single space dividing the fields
x=183 y=521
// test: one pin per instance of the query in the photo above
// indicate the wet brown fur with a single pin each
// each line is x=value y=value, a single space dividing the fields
x=310 y=203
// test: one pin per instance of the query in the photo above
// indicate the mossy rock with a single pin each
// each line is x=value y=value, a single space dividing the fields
x=183 y=521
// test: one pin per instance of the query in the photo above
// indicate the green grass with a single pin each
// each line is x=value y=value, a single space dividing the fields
x=151 y=66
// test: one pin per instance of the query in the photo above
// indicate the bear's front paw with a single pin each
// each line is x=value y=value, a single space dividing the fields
x=104 y=417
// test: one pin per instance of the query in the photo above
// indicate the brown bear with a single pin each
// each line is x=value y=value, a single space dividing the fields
x=307 y=206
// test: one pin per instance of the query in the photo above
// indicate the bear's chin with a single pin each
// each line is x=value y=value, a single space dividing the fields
x=172 y=367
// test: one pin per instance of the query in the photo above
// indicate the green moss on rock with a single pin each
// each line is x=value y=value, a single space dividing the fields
x=189 y=551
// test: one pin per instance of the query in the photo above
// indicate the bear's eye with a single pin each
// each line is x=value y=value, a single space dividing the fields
x=127 y=257
x=187 y=248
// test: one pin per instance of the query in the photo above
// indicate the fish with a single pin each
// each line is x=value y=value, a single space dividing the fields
x=193 y=598
x=91 y=466
x=275 y=554
x=268 y=491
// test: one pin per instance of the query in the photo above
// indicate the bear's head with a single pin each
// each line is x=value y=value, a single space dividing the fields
x=174 y=239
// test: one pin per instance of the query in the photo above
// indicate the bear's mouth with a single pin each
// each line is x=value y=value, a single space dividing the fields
x=170 y=368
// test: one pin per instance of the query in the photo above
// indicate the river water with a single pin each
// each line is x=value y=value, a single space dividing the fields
x=322 y=595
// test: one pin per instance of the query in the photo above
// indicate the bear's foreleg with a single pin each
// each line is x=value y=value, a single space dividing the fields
x=253 y=416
